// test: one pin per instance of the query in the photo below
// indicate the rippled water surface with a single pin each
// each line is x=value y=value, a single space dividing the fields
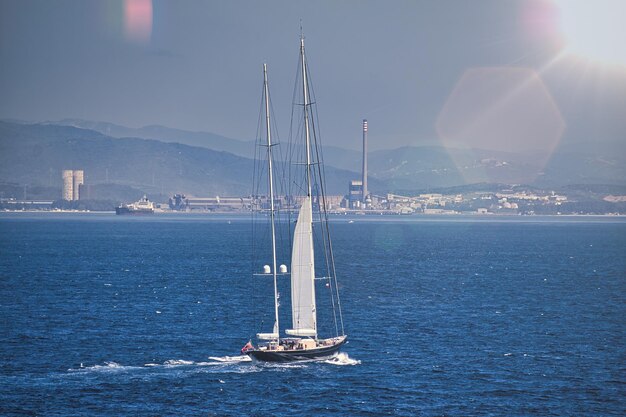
x=106 y=315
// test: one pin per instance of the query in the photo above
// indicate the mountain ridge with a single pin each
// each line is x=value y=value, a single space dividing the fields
x=34 y=154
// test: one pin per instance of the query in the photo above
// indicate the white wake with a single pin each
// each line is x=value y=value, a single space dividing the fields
x=231 y=359
x=342 y=359
x=107 y=367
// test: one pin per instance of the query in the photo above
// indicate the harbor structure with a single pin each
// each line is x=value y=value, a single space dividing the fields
x=218 y=203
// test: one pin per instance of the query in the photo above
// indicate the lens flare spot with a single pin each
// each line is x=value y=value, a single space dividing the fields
x=138 y=20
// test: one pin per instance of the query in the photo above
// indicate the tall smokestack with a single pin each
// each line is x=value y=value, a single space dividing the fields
x=364 y=171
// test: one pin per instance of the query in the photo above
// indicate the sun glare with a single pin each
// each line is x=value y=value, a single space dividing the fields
x=595 y=29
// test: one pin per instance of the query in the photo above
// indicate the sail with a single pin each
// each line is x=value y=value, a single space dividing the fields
x=303 y=313
x=267 y=336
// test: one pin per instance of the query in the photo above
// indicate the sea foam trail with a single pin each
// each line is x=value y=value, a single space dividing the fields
x=107 y=367
x=177 y=362
x=231 y=359
x=342 y=359
x=170 y=363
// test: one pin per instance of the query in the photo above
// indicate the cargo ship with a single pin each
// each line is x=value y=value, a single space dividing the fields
x=141 y=207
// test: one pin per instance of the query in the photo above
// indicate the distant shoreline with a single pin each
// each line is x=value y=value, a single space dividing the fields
x=354 y=215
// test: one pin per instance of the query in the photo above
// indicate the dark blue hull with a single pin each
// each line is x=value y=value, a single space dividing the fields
x=127 y=211
x=296 y=355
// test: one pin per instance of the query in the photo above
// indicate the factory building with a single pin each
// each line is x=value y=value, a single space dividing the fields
x=218 y=203
x=355 y=194
x=73 y=180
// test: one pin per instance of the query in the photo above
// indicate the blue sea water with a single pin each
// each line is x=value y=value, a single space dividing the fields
x=446 y=316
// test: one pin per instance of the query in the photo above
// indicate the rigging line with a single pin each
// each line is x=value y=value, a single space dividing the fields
x=325 y=233
x=307 y=111
x=271 y=192
x=327 y=244
x=290 y=154
x=322 y=206
x=281 y=170
x=253 y=214
x=279 y=177
x=333 y=271
x=322 y=242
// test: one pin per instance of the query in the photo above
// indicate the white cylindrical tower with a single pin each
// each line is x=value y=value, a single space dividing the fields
x=68 y=184
x=79 y=179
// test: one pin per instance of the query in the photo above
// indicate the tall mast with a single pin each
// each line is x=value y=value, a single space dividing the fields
x=303 y=311
x=271 y=188
x=305 y=92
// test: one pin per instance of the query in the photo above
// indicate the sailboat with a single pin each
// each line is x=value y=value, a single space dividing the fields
x=301 y=341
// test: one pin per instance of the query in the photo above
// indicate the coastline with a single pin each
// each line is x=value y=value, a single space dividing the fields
x=335 y=217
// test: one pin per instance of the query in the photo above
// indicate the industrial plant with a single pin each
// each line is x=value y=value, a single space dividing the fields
x=359 y=200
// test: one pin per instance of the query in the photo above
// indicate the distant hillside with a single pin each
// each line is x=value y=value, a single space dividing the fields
x=588 y=162
x=165 y=134
x=436 y=166
x=338 y=157
x=419 y=168
x=36 y=154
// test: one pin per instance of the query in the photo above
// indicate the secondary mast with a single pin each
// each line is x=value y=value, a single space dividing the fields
x=271 y=189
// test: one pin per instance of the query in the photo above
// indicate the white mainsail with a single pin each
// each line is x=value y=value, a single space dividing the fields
x=304 y=316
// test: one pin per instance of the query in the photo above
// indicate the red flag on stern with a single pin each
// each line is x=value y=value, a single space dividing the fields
x=247 y=347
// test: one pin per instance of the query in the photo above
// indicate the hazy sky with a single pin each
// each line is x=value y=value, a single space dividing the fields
x=197 y=65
